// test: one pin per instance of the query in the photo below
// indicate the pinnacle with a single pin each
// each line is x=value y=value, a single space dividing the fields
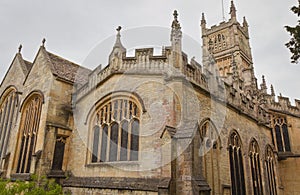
x=118 y=43
x=232 y=10
x=20 y=48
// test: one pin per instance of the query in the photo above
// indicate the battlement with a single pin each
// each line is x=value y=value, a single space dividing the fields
x=284 y=105
x=219 y=27
x=144 y=62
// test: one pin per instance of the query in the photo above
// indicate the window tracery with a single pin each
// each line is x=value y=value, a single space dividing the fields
x=28 y=132
x=8 y=106
x=280 y=129
x=209 y=148
x=116 y=131
x=236 y=165
x=255 y=168
x=270 y=170
x=217 y=42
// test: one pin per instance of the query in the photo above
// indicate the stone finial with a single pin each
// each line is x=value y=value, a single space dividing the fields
x=175 y=23
x=175 y=14
x=118 y=43
x=234 y=68
x=263 y=80
x=119 y=28
x=232 y=10
x=245 y=23
x=263 y=85
x=43 y=42
x=272 y=91
x=203 y=21
x=20 y=48
x=115 y=56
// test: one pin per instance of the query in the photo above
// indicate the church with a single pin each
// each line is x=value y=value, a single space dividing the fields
x=152 y=124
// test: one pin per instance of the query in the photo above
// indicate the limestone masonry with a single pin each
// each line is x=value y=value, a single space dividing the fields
x=152 y=124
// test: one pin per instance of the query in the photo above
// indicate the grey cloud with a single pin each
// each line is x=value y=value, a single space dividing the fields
x=74 y=28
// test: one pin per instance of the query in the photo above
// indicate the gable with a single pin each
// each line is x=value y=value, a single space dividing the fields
x=16 y=73
x=39 y=76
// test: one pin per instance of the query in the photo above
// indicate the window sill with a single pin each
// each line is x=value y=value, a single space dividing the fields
x=286 y=155
x=21 y=176
x=115 y=163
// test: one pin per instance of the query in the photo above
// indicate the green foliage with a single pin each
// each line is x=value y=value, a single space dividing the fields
x=294 y=44
x=37 y=186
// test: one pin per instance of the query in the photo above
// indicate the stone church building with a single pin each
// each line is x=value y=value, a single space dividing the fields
x=152 y=124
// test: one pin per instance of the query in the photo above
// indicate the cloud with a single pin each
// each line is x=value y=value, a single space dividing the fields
x=74 y=28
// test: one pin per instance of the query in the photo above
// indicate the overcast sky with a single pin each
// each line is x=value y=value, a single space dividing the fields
x=76 y=29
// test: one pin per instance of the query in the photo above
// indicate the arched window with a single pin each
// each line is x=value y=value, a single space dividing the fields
x=210 y=151
x=116 y=131
x=29 y=126
x=280 y=129
x=8 y=105
x=236 y=165
x=270 y=171
x=255 y=168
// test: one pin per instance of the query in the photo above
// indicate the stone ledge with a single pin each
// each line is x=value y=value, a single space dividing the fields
x=56 y=174
x=21 y=176
x=120 y=183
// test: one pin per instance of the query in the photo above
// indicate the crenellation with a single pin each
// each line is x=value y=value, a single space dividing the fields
x=284 y=105
x=297 y=103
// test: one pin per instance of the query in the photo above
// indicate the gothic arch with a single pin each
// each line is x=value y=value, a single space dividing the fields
x=238 y=186
x=8 y=115
x=210 y=145
x=8 y=90
x=27 y=136
x=27 y=98
x=270 y=170
x=118 y=119
x=237 y=136
x=121 y=93
x=255 y=165
x=215 y=129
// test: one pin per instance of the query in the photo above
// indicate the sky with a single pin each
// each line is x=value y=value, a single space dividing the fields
x=83 y=31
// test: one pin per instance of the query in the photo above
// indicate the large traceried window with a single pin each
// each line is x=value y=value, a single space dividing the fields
x=280 y=129
x=29 y=126
x=8 y=106
x=236 y=165
x=115 y=134
x=210 y=151
x=255 y=168
x=270 y=170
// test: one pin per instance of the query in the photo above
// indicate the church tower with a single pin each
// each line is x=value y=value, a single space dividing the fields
x=229 y=44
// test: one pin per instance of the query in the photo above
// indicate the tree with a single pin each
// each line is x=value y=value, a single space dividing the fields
x=294 y=44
